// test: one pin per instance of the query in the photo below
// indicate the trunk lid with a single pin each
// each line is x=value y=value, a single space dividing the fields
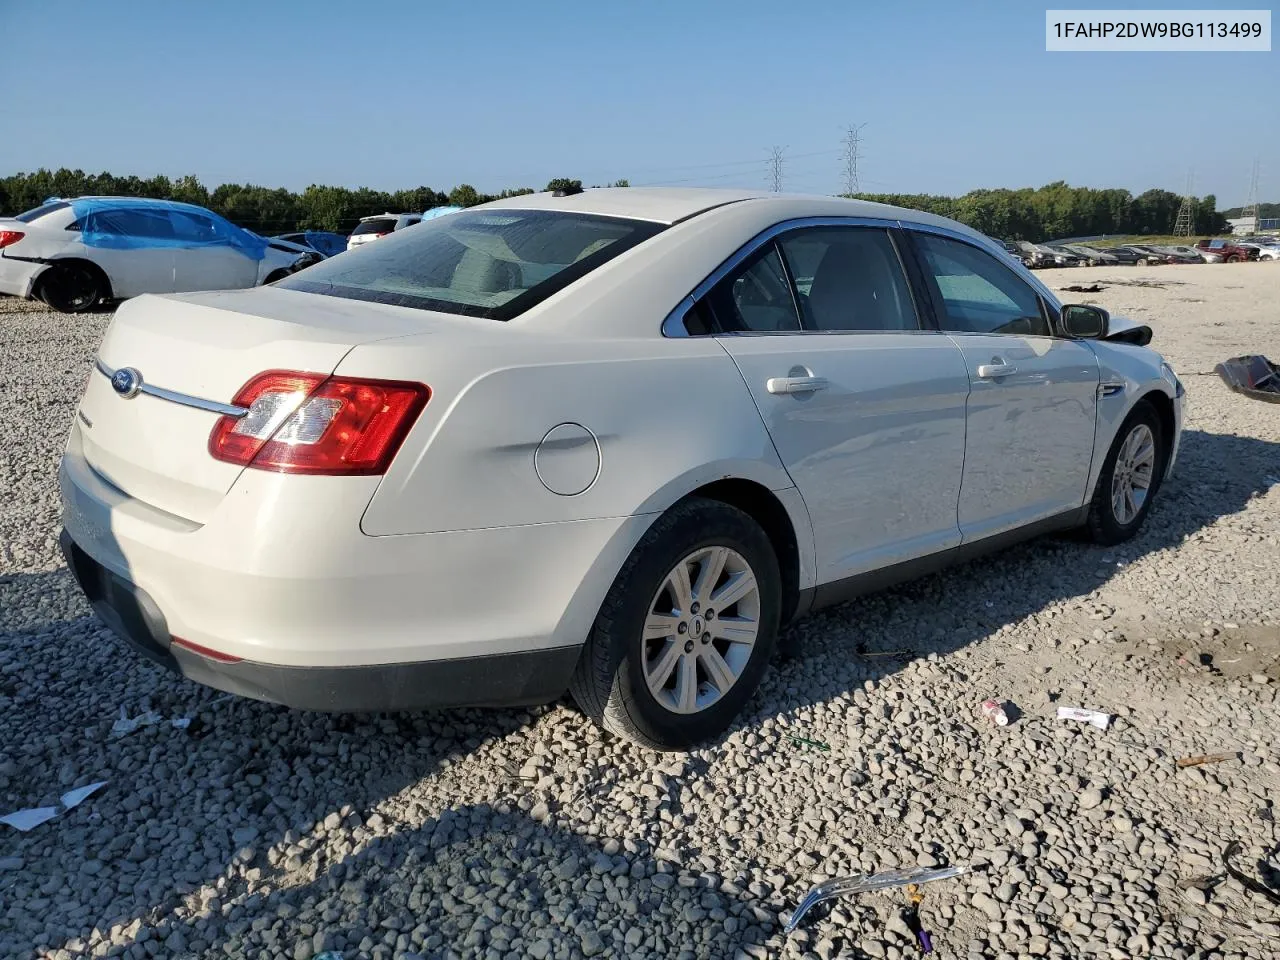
x=208 y=345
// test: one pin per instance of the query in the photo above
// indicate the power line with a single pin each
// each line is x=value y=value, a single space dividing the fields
x=852 y=141
x=776 y=169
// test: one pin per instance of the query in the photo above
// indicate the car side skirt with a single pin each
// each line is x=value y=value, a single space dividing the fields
x=849 y=588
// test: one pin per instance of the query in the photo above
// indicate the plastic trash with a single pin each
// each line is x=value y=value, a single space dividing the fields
x=994 y=711
x=806 y=742
x=1092 y=717
x=25 y=820
x=865 y=883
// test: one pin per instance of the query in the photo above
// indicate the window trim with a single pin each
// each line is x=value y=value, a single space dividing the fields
x=1049 y=309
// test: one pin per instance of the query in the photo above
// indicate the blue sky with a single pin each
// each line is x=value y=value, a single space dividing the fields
x=498 y=94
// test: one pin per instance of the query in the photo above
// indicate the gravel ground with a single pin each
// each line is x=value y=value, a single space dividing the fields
x=257 y=832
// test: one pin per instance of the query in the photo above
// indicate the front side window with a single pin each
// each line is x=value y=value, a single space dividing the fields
x=757 y=298
x=849 y=278
x=492 y=263
x=977 y=293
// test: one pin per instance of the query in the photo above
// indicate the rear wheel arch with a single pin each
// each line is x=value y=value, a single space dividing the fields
x=51 y=271
x=763 y=506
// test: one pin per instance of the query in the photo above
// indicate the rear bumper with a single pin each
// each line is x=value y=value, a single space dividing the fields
x=18 y=276
x=513 y=679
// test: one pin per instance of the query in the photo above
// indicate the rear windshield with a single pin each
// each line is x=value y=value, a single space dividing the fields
x=42 y=211
x=374 y=226
x=493 y=263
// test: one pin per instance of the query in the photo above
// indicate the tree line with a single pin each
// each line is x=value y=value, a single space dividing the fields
x=1054 y=211
x=1058 y=211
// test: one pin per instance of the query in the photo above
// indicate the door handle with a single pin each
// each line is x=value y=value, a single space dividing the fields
x=781 y=385
x=996 y=368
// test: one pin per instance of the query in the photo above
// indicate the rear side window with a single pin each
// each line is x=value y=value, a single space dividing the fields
x=757 y=299
x=30 y=215
x=494 y=263
x=849 y=278
x=374 y=226
x=978 y=293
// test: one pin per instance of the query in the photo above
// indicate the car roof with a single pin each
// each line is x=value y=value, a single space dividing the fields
x=670 y=205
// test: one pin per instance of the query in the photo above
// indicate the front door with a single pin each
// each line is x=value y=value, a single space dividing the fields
x=205 y=260
x=1033 y=399
x=865 y=408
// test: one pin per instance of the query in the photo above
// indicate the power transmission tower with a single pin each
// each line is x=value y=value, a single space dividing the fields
x=1250 y=211
x=775 y=168
x=1184 y=226
x=852 y=141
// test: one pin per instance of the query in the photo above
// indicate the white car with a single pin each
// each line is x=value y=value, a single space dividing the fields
x=375 y=227
x=73 y=254
x=608 y=442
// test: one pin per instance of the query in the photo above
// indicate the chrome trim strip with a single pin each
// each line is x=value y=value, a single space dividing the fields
x=183 y=399
x=673 y=324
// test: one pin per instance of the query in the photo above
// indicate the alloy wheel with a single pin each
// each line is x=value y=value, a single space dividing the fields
x=702 y=625
x=1133 y=474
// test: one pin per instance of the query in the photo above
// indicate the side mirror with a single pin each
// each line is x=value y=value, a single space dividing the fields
x=1085 y=322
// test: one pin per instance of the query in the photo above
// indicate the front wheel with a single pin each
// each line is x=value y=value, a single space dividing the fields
x=686 y=631
x=1130 y=478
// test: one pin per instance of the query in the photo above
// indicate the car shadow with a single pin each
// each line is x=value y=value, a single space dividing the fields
x=191 y=815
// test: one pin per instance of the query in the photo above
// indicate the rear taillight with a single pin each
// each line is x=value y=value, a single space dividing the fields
x=9 y=237
x=309 y=423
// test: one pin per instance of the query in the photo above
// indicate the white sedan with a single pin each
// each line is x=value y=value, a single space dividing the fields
x=608 y=442
x=73 y=254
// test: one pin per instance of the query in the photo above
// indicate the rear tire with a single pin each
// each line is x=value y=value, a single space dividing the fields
x=659 y=671
x=1130 y=478
x=72 y=287
x=1234 y=258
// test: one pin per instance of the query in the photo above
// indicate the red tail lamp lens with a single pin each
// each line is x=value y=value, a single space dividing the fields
x=309 y=423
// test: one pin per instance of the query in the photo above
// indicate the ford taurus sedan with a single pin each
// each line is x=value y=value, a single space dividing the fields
x=607 y=443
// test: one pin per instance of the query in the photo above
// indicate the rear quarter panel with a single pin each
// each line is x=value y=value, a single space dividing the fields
x=667 y=416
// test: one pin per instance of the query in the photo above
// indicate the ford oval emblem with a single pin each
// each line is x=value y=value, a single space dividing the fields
x=126 y=382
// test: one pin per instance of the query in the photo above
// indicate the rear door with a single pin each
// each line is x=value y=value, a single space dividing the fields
x=135 y=248
x=1033 y=400
x=865 y=408
x=204 y=260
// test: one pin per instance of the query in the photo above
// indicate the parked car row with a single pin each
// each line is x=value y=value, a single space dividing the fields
x=1218 y=250
x=76 y=253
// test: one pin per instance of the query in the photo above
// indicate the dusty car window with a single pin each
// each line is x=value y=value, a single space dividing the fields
x=979 y=294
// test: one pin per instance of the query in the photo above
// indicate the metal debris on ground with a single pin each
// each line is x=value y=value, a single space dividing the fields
x=806 y=742
x=25 y=820
x=865 y=883
x=1204 y=758
x=1253 y=376
x=994 y=711
x=1244 y=880
x=1093 y=717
